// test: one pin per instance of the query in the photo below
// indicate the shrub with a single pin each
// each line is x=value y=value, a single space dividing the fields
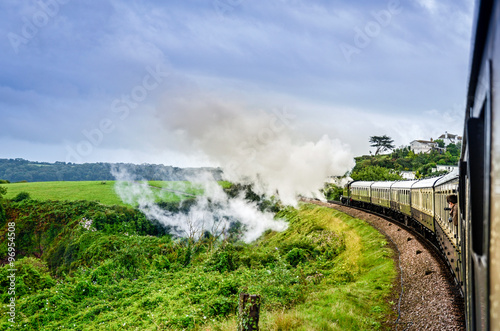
x=221 y=306
x=332 y=192
x=224 y=259
x=21 y=196
x=32 y=275
x=296 y=256
x=161 y=262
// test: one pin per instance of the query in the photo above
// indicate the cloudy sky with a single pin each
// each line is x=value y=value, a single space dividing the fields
x=87 y=81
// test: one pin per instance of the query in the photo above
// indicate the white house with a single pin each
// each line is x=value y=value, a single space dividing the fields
x=423 y=146
x=450 y=138
x=441 y=167
x=408 y=174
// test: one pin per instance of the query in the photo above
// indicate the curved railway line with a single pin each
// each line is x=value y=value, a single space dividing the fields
x=426 y=296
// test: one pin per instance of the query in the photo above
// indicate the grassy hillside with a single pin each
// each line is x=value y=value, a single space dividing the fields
x=85 y=266
x=100 y=191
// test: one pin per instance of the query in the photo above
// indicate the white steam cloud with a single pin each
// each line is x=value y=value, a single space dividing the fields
x=259 y=148
x=213 y=211
x=262 y=148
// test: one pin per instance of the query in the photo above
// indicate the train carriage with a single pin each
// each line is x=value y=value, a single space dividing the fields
x=422 y=202
x=361 y=192
x=447 y=233
x=400 y=197
x=381 y=194
x=445 y=186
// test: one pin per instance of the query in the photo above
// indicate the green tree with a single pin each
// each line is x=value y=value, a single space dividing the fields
x=399 y=153
x=440 y=142
x=453 y=149
x=375 y=173
x=382 y=143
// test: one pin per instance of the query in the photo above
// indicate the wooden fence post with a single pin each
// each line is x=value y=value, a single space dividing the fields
x=248 y=312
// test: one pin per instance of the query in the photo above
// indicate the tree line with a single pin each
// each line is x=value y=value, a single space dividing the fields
x=17 y=170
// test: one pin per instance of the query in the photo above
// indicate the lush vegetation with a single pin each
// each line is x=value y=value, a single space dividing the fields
x=82 y=265
x=376 y=173
x=388 y=166
x=332 y=191
x=16 y=170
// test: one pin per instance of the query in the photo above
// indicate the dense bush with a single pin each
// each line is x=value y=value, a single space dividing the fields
x=224 y=259
x=332 y=191
x=32 y=276
x=21 y=196
x=46 y=228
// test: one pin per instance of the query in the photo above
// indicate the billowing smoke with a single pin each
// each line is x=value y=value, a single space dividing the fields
x=263 y=148
x=260 y=148
x=213 y=211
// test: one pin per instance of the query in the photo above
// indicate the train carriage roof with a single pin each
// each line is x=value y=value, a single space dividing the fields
x=426 y=183
x=382 y=184
x=361 y=184
x=452 y=176
x=404 y=184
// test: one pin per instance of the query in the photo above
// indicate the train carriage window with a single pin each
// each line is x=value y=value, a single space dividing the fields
x=476 y=138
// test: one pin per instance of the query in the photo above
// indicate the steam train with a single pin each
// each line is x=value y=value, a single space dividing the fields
x=419 y=204
x=472 y=247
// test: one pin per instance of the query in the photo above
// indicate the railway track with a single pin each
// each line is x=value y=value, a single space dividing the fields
x=425 y=296
x=431 y=245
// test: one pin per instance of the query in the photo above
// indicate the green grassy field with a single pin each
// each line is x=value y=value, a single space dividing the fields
x=103 y=192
